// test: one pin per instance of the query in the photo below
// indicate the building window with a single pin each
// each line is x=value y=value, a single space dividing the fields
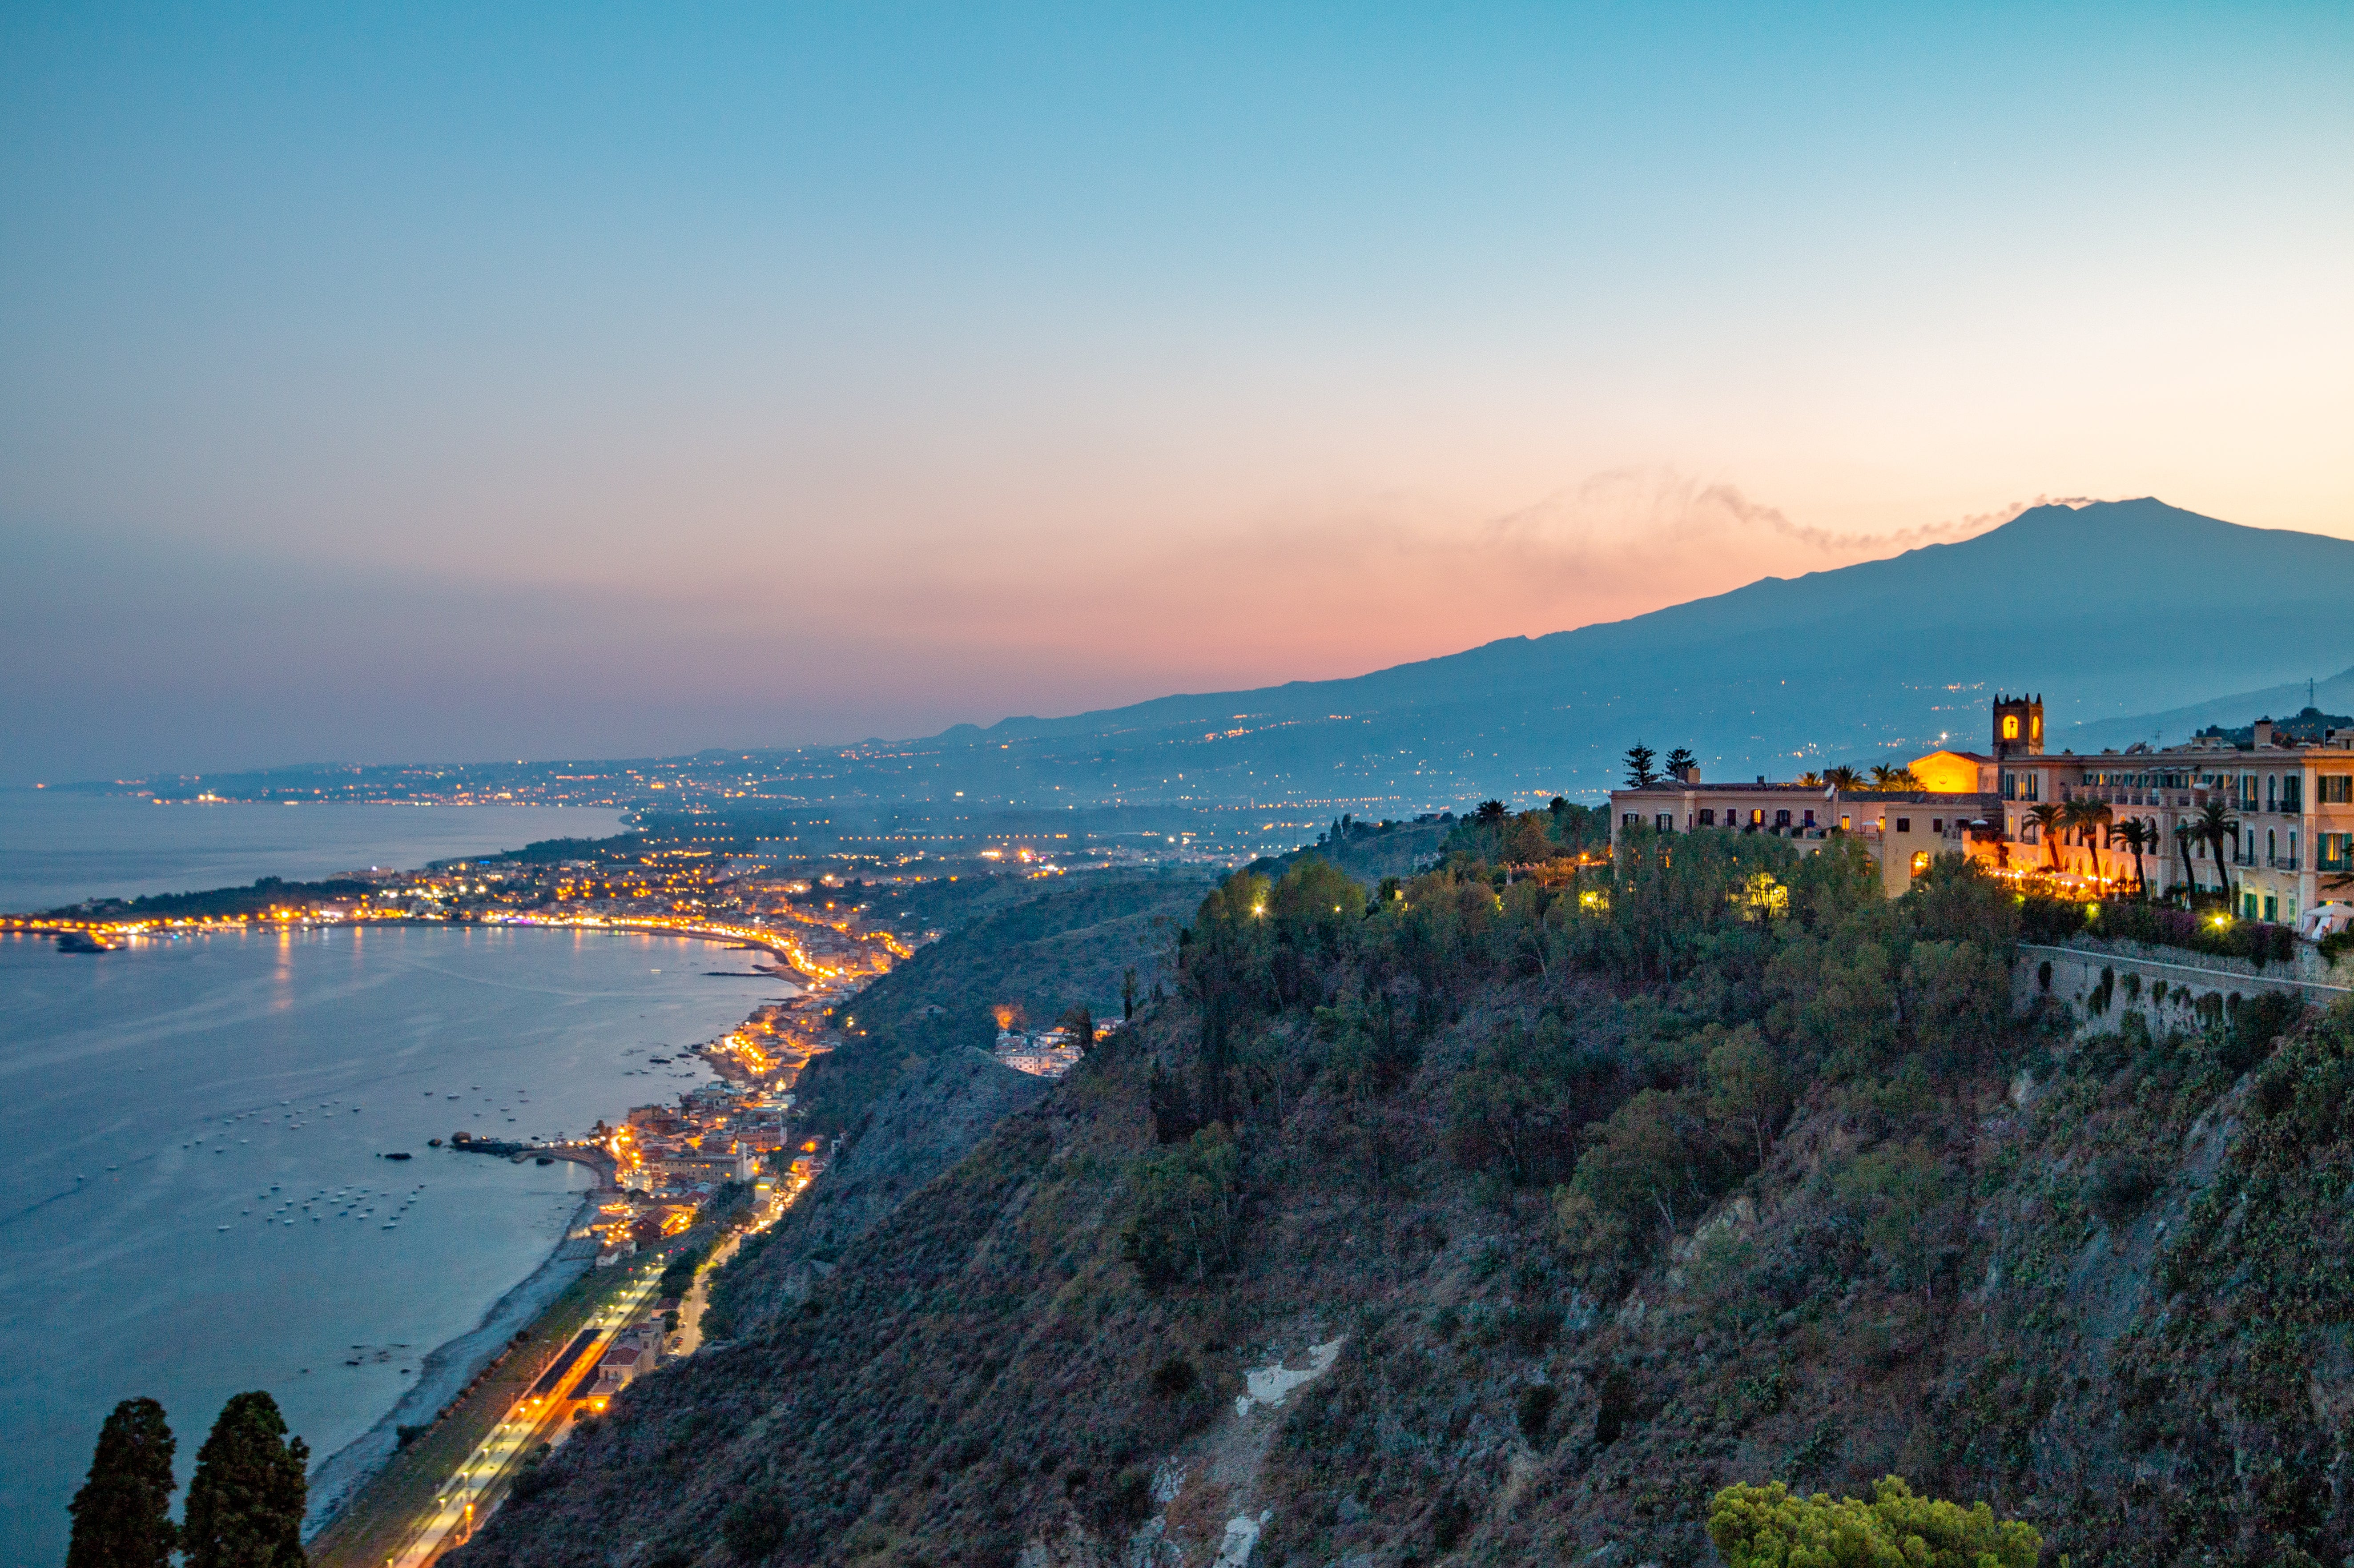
x=2338 y=789
x=1810 y=819
x=1630 y=819
x=1920 y=861
x=2034 y=786
x=1781 y=819
x=2271 y=907
x=2337 y=851
x=2248 y=906
x=1903 y=824
x=2271 y=791
x=2010 y=786
x=1667 y=821
x=2293 y=793
x=1936 y=824
x=1708 y=816
x=1847 y=824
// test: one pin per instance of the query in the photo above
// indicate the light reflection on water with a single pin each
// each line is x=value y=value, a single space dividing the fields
x=150 y=1097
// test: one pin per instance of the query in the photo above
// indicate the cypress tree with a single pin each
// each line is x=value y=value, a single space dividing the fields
x=122 y=1516
x=246 y=1501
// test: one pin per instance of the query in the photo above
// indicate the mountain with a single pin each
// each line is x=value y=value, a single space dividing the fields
x=2108 y=609
x=2334 y=695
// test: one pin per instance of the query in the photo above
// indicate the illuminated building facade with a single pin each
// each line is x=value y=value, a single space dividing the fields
x=2286 y=791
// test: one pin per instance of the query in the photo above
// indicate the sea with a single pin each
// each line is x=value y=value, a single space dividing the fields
x=194 y=1199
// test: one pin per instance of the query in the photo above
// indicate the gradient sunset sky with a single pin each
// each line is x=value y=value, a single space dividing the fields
x=475 y=381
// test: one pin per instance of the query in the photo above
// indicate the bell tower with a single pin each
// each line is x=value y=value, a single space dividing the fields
x=2017 y=726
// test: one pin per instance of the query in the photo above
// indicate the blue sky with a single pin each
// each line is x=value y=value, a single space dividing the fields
x=862 y=371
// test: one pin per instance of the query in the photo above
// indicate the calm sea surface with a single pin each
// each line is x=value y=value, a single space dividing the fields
x=58 y=849
x=151 y=1097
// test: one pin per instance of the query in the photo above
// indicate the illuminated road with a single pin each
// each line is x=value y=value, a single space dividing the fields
x=460 y=1505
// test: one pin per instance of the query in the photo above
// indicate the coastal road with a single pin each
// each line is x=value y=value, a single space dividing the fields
x=471 y=1494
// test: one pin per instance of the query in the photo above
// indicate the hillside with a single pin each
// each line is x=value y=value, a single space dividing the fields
x=1505 y=1225
x=2334 y=694
x=1031 y=949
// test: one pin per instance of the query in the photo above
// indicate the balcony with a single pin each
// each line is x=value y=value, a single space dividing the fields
x=2282 y=862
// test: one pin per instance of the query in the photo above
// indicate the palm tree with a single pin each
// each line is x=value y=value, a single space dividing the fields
x=2091 y=819
x=2137 y=835
x=1810 y=779
x=1883 y=777
x=2216 y=827
x=2046 y=817
x=1843 y=778
x=2183 y=839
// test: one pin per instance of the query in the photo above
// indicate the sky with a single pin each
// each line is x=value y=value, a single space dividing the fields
x=416 y=382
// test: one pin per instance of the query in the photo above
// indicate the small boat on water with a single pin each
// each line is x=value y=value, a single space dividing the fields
x=398 y=1154
x=84 y=942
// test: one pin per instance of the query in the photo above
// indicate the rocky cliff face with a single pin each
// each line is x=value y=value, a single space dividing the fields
x=2096 y=1281
x=933 y=1115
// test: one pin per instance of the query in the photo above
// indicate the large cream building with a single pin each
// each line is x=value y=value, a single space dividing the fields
x=2290 y=797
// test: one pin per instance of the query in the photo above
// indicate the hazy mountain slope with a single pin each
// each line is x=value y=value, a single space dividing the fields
x=2111 y=608
x=2334 y=695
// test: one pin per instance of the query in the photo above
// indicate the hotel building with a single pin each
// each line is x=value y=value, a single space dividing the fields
x=2288 y=788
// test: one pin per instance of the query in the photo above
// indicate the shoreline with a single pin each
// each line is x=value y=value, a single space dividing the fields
x=447 y=1371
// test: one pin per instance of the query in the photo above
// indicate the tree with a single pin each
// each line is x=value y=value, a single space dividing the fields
x=2137 y=836
x=2090 y=820
x=1746 y=1087
x=122 y=1516
x=1491 y=813
x=1680 y=761
x=1079 y=1028
x=2216 y=827
x=1843 y=778
x=1767 y=1527
x=246 y=1500
x=1810 y=779
x=1638 y=767
x=1127 y=994
x=2046 y=817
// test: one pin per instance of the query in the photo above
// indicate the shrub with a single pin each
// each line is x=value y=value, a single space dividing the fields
x=2119 y=1185
x=1173 y=1378
x=1767 y=1527
x=1535 y=1409
x=755 y=1526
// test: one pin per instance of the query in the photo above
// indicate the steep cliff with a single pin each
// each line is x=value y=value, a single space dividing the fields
x=1507 y=1226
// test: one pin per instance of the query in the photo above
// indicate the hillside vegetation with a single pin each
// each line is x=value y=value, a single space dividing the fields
x=1494 y=1221
x=1028 y=949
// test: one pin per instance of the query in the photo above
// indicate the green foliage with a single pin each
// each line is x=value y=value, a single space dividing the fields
x=755 y=1525
x=1891 y=1194
x=1770 y=1527
x=1535 y=1409
x=1522 y=1106
x=247 y=1497
x=122 y=1515
x=1747 y=1090
x=1652 y=1166
x=1188 y=1201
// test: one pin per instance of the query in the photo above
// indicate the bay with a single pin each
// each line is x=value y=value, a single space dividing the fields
x=195 y=1202
x=59 y=847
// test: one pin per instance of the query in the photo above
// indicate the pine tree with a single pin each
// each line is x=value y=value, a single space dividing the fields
x=122 y=1516
x=246 y=1501
x=1639 y=759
